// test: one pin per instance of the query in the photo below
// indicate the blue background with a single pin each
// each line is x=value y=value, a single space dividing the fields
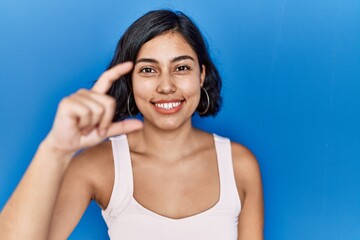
x=291 y=72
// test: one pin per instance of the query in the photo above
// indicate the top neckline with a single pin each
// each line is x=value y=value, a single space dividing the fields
x=187 y=218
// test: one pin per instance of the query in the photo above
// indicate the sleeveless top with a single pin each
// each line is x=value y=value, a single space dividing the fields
x=127 y=219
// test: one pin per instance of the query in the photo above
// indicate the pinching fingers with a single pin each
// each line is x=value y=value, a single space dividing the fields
x=106 y=79
x=124 y=126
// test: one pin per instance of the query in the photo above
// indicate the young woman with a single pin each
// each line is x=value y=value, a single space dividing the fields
x=164 y=179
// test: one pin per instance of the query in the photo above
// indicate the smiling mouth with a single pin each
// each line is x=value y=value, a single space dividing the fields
x=168 y=106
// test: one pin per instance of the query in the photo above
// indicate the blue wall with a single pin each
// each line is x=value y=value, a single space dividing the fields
x=291 y=73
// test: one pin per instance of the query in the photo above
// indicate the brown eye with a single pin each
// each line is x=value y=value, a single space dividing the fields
x=147 y=70
x=182 y=68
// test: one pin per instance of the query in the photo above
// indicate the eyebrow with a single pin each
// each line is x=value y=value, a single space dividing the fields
x=175 y=59
x=183 y=57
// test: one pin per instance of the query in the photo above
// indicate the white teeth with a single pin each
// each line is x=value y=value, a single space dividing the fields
x=167 y=106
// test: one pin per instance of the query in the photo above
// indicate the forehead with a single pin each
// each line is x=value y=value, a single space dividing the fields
x=166 y=47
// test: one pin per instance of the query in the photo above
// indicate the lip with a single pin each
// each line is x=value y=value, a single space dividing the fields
x=171 y=110
x=167 y=100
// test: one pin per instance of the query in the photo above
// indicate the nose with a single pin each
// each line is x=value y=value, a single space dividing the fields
x=165 y=84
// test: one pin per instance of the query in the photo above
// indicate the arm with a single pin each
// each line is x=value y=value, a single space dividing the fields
x=83 y=119
x=90 y=176
x=27 y=213
x=248 y=181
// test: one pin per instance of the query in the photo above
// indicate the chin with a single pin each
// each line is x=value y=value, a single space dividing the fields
x=169 y=124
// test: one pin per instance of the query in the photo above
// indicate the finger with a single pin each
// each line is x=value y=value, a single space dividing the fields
x=124 y=126
x=106 y=79
x=78 y=112
x=106 y=120
x=107 y=105
x=83 y=115
x=96 y=110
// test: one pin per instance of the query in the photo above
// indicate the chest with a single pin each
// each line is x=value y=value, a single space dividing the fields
x=176 y=189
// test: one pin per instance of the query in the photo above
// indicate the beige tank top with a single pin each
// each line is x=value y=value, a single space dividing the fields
x=129 y=220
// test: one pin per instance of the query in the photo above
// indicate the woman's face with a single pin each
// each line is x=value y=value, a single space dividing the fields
x=167 y=81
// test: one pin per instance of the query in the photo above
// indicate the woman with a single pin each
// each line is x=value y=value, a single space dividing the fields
x=164 y=179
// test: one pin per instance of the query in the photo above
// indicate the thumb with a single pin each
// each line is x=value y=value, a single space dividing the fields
x=124 y=126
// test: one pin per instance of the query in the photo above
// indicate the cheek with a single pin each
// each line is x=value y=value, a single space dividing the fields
x=136 y=85
x=190 y=88
x=142 y=90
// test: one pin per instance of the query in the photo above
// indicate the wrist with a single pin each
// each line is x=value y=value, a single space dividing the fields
x=49 y=147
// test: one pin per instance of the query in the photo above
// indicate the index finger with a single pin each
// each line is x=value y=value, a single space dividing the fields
x=103 y=84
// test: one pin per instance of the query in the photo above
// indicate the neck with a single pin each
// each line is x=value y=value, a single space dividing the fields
x=169 y=144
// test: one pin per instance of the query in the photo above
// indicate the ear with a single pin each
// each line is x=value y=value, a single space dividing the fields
x=202 y=75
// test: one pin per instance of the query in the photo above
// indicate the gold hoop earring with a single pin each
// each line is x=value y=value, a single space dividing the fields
x=208 y=102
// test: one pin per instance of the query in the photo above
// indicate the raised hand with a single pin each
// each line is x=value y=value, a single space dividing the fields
x=84 y=118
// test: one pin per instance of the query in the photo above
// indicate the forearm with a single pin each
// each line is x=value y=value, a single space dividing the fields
x=83 y=119
x=28 y=212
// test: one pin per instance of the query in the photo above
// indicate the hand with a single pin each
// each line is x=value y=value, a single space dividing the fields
x=84 y=118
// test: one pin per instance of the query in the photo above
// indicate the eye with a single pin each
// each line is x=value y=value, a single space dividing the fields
x=182 y=68
x=147 y=70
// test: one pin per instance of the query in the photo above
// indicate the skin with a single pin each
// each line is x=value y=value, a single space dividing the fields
x=166 y=151
x=82 y=120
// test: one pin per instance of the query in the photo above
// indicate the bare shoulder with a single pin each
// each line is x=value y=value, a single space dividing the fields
x=242 y=157
x=92 y=159
x=246 y=169
x=94 y=167
x=82 y=181
x=248 y=182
